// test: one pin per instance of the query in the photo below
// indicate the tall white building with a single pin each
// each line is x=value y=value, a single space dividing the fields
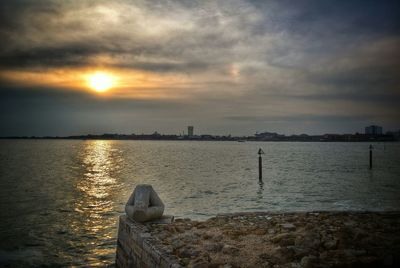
x=190 y=130
x=373 y=130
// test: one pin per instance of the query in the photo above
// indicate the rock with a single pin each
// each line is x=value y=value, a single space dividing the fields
x=168 y=249
x=214 y=265
x=309 y=261
x=170 y=229
x=184 y=261
x=370 y=261
x=213 y=247
x=284 y=239
x=259 y=232
x=350 y=223
x=162 y=236
x=264 y=256
x=345 y=237
x=310 y=240
x=287 y=253
x=330 y=244
x=280 y=255
x=309 y=226
x=207 y=235
x=359 y=234
x=201 y=261
x=201 y=264
x=295 y=265
x=230 y=250
x=288 y=226
x=351 y=253
x=217 y=238
x=201 y=226
x=190 y=238
x=188 y=253
x=177 y=243
x=299 y=252
x=179 y=229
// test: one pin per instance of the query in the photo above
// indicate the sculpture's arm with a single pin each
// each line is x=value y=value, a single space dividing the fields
x=131 y=200
x=155 y=200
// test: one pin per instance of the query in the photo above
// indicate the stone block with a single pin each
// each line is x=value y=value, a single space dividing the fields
x=142 y=237
x=122 y=257
x=151 y=251
x=167 y=261
x=148 y=260
x=125 y=241
x=164 y=262
x=138 y=250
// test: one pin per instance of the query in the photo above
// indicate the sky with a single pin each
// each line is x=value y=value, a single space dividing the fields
x=226 y=67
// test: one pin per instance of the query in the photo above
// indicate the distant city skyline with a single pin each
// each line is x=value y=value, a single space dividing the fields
x=372 y=130
x=226 y=67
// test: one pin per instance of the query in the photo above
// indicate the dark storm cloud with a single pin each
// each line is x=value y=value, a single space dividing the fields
x=340 y=17
x=47 y=57
x=260 y=61
x=49 y=34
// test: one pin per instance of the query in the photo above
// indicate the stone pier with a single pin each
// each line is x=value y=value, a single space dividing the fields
x=136 y=247
x=265 y=239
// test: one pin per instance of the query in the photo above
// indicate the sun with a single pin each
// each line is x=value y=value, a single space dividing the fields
x=100 y=81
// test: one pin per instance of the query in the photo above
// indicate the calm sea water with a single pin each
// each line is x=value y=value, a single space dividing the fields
x=60 y=199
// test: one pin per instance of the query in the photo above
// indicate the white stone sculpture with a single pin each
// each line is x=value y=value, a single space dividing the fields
x=144 y=204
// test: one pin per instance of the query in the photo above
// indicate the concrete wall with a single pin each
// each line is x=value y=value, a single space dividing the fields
x=137 y=248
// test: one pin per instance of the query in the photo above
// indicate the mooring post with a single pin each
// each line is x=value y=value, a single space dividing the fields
x=260 y=152
x=370 y=156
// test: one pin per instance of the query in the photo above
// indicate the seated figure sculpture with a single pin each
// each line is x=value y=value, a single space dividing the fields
x=144 y=204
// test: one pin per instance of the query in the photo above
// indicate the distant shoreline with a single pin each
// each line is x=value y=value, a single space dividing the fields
x=263 y=136
x=237 y=139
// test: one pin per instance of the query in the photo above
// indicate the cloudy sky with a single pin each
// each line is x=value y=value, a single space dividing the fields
x=226 y=67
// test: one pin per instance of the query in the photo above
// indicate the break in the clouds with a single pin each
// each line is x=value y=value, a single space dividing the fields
x=224 y=66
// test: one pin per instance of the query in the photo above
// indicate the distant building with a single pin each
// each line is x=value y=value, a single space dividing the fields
x=267 y=136
x=373 y=130
x=190 y=130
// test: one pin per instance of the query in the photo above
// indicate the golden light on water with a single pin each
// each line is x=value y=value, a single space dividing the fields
x=97 y=167
x=102 y=163
x=100 y=81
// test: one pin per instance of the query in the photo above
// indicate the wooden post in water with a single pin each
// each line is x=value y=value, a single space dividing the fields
x=260 y=152
x=370 y=156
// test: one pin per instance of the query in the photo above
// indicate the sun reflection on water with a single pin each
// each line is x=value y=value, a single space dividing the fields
x=100 y=165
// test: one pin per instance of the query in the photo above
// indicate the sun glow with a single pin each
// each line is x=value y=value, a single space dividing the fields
x=100 y=81
x=110 y=82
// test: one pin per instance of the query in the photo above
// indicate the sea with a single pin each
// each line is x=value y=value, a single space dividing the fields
x=60 y=199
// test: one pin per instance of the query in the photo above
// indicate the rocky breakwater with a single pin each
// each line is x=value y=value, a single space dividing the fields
x=318 y=239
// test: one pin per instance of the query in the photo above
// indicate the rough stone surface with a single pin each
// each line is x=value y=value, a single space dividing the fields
x=144 y=204
x=314 y=239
